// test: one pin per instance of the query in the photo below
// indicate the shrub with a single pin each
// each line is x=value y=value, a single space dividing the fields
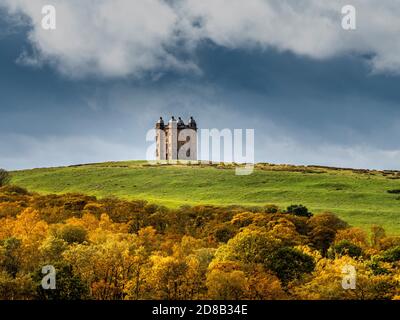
x=348 y=248
x=10 y=261
x=321 y=238
x=150 y=208
x=391 y=255
x=389 y=242
x=223 y=233
x=377 y=235
x=327 y=220
x=354 y=235
x=377 y=268
x=4 y=177
x=242 y=219
x=14 y=190
x=299 y=210
x=270 y=208
x=73 y=234
x=290 y=264
x=395 y=191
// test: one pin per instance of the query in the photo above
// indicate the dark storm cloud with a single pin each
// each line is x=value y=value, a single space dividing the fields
x=332 y=111
x=325 y=100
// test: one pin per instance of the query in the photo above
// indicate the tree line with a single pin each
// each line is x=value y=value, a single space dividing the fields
x=116 y=249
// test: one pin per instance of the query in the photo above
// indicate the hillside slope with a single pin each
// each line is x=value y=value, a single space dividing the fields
x=361 y=197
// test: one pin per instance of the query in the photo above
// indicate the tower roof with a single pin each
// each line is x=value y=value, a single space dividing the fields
x=160 y=123
x=192 y=123
x=180 y=122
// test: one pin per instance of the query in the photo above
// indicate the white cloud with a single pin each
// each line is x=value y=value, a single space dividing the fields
x=125 y=37
x=101 y=37
x=306 y=27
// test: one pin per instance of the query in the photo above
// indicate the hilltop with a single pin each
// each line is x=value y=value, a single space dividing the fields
x=361 y=197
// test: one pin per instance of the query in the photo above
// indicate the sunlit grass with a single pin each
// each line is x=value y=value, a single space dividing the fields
x=361 y=198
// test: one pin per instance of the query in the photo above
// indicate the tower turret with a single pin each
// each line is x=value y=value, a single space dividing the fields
x=160 y=123
x=181 y=124
x=192 y=123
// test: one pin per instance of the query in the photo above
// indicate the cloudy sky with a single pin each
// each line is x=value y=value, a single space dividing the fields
x=89 y=90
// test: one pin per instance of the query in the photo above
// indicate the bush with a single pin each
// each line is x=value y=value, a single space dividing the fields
x=290 y=264
x=394 y=191
x=150 y=208
x=10 y=261
x=321 y=238
x=377 y=269
x=391 y=255
x=346 y=247
x=299 y=210
x=327 y=220
x=4 y=177
x=270 y=208
x=223 y=233
x=14 y=190
x=73 y=234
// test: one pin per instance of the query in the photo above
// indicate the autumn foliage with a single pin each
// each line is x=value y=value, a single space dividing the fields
x=116 y=249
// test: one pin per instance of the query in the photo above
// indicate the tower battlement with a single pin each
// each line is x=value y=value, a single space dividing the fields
x=176 y=140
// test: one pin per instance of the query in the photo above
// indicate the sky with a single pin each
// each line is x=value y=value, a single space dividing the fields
x=90 y=90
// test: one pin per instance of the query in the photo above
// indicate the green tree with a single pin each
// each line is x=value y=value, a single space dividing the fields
x=299 y=210
x=346 y=247
x=68 y=285
x=73 y=234
x=290 y=264
x=20 y=287
x=10 y=261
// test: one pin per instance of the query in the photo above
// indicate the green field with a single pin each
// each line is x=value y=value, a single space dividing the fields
x=358 y=196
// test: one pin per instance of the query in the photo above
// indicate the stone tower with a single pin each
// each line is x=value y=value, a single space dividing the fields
x=176 y=140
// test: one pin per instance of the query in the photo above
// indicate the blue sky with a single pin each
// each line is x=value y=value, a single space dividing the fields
x=64 y=99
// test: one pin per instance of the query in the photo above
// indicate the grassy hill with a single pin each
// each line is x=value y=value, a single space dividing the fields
x=360 y=197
